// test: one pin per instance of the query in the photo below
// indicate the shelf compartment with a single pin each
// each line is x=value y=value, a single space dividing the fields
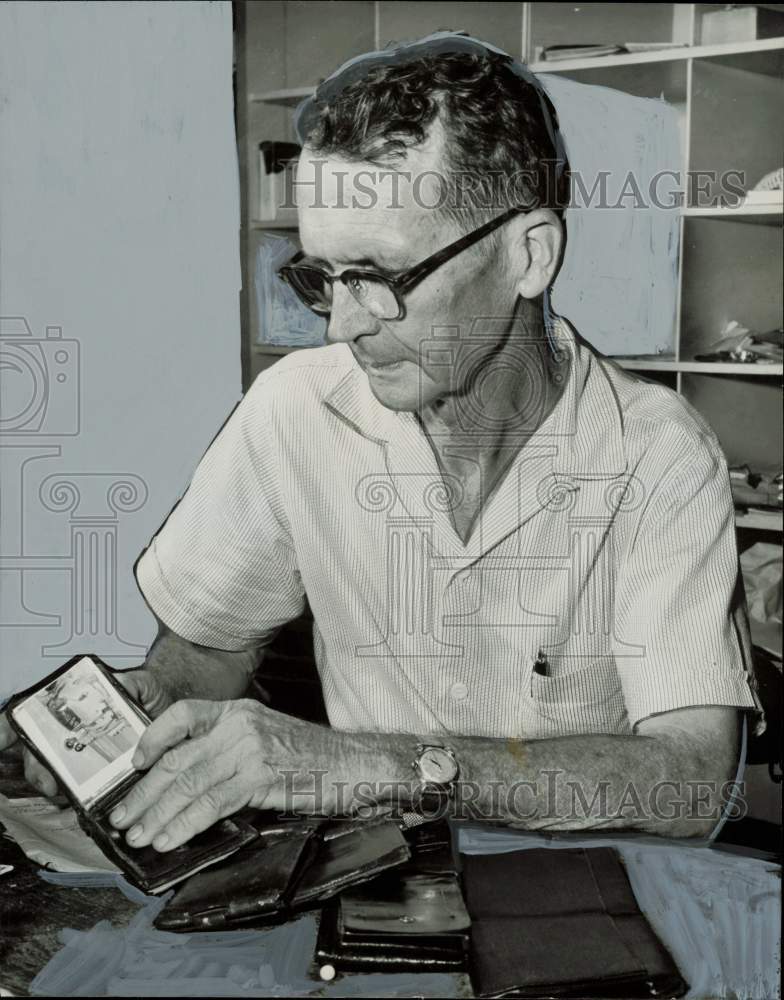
x=736 y=128
x=731 y=271
x=745 y=414
x=602 y=23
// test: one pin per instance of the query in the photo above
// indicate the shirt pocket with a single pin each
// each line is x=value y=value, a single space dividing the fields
x=588 y=699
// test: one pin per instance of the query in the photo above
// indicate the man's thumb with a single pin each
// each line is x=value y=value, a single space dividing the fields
x=145 y=689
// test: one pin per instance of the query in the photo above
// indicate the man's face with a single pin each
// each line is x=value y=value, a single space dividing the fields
x=377 y=220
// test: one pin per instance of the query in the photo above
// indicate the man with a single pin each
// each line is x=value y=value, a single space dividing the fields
x=520 y=559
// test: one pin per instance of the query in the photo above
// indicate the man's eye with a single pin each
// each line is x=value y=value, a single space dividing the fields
x=357 y=286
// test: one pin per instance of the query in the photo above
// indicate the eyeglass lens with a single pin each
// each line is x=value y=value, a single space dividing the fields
x=315 y=290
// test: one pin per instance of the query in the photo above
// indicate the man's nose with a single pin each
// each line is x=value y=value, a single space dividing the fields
x=348 y=320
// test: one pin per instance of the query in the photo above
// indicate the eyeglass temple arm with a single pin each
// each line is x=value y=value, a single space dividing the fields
x=427 y=266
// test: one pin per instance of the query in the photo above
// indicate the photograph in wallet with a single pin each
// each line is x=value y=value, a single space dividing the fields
x=84 y=727
x=562 y=922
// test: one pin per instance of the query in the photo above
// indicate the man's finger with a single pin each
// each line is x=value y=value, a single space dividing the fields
x=214 y=804
x=183 y=719
x=167 y=792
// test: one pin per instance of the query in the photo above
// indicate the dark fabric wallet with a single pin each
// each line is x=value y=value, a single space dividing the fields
x=562 y=922
x=293 y=865
x=409 y=919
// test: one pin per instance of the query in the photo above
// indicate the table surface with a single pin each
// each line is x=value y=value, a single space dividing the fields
x=85 y=935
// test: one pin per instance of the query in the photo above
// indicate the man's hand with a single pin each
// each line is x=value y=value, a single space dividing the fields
x=140 y=685
x=209 y=759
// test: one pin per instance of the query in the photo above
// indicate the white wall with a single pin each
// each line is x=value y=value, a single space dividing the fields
x=119 y=218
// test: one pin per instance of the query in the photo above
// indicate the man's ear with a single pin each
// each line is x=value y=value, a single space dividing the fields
x=535 y=249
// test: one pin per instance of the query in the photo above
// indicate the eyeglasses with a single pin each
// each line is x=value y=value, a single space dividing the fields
x=381 y=294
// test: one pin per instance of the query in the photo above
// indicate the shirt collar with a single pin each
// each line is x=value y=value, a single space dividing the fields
x=588 y=418
x=587 y=422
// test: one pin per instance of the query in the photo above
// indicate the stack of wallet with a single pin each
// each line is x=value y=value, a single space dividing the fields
x=412 y=918
x=552 y=922
x=292 y=865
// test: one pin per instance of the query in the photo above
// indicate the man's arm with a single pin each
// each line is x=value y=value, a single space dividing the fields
x=183 y=669
x=670 y=779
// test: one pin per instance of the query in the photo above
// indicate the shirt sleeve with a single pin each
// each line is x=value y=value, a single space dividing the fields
x=681 y=636
x=222 y=570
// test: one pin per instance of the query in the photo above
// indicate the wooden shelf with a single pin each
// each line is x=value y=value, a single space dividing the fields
x=766 y=215
x=701 y=367
x=760 y=520
x=286 y=97
x=658 y=56
x=274 y=224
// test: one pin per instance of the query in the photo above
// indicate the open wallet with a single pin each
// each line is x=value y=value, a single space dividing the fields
x=412 y=918
x=83 y=725
x=292 y=866
x=562 y=923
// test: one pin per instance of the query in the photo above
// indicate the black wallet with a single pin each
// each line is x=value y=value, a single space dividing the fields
x=294 y=865
x=81 y=723
x=409 y=919
x=562 y=922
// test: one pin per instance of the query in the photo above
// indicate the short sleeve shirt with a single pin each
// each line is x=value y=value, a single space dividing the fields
x=598 y=587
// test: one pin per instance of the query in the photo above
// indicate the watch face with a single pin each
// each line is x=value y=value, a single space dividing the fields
x=437 y=766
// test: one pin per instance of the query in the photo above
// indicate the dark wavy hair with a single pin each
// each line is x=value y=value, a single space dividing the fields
x=503 y=145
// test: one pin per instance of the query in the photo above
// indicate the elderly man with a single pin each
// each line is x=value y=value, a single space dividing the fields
x=520 y=559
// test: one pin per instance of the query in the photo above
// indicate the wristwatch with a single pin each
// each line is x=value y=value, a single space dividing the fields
x=437 y=769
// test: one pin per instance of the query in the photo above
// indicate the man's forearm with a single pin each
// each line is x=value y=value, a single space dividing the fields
x=186 y=670
x=671 y=786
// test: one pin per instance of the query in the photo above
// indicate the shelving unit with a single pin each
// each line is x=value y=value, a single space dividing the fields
x=728 y=99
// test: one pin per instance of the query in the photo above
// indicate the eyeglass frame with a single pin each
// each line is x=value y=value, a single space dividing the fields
x=400 y=284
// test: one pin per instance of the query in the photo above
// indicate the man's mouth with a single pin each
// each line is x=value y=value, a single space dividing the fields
x=380 y=365
x=383 y=366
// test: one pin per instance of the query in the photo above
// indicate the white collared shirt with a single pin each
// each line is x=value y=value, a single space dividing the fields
x=607 y=554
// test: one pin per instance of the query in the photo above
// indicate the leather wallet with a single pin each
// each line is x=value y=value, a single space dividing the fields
x=82 y=724
x=409 y=919
x=294 y=865
x=253 y=886
x=350 y=852
x=562 y=922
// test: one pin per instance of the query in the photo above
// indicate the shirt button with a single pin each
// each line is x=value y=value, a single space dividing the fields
x=459 y=691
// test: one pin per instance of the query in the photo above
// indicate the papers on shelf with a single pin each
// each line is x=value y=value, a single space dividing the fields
x=556 y=53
